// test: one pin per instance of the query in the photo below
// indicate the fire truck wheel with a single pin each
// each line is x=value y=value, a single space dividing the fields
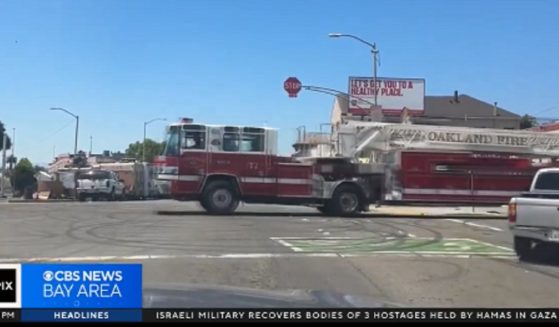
x=220 y=198
x=346 y=201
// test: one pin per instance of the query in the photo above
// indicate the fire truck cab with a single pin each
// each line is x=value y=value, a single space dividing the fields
x=220 y=165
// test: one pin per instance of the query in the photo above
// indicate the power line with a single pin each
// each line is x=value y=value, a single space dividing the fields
x=59 y=130
x=546 y=110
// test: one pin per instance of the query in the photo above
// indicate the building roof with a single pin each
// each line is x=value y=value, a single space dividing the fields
x=549 y=127
x=453 y=110
x=447 y=106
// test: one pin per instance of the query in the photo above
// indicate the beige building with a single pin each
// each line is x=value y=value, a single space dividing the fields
x=61 y=161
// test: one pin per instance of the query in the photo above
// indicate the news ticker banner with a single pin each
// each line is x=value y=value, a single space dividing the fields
x=71 y=292
x=113 y=293
x=284 y=315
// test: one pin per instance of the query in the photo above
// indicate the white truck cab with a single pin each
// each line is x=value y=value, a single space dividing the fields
x=534 y=216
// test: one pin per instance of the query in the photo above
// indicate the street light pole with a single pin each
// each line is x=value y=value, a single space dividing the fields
x=374 y=51
x=144 y=141
x=13 y=142
x=144 y=144
x=4 y=144
x=76 y=135
x=77 y=126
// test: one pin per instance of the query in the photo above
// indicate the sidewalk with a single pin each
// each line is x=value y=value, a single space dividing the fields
x=440 y=212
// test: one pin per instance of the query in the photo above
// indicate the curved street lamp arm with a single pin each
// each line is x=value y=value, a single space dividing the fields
x=154 y=119
x=66 y=111
x=372 y=45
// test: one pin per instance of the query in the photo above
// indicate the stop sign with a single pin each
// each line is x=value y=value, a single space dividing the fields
x=292 y=86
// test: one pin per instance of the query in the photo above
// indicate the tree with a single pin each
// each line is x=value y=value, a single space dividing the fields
x=153 y=149
x=23 y=178
x=8 y=141
x=528 y=121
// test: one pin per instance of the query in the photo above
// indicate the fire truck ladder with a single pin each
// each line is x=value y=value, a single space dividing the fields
x=384 y=137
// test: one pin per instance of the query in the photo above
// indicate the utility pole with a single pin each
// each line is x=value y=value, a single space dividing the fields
x=375 y=51
x=90 y=144
x=76 y=136
x=13 y=146
x=2 y=189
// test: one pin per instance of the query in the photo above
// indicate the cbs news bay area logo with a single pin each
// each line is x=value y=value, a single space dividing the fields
x=83 y=286
x=91 y=283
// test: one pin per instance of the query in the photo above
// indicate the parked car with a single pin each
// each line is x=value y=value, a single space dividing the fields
x=534 y=217
x=100 y=185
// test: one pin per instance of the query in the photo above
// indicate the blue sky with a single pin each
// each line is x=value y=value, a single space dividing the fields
x=119 y=63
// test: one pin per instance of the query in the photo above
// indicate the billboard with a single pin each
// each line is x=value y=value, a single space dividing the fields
x=393 y=94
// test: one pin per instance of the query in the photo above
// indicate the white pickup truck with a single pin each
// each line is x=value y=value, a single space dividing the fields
x=100 y=185
x=534 y=217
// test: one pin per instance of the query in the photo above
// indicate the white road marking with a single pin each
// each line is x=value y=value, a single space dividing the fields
x=312 y=238
x=326 y=233
x=480 y=254
x=305 y=219
x=431 y=255
x=490 y=244
x=498 y=255
x=167 y=256
x=289 y=245
x=475 y=225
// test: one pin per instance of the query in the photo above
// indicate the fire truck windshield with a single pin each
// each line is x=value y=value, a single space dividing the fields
x=172 y=141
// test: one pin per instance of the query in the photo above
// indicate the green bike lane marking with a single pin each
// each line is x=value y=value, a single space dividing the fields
x=451 y=246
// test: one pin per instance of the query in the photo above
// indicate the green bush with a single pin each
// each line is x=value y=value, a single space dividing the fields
x=23 y=178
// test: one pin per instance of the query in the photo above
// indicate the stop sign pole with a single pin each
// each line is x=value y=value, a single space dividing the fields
x=292 y=86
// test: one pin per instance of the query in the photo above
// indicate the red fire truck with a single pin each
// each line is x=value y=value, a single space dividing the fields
x=219 y=166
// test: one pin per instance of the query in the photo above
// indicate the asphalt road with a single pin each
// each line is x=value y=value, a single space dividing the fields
x=411 y=262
